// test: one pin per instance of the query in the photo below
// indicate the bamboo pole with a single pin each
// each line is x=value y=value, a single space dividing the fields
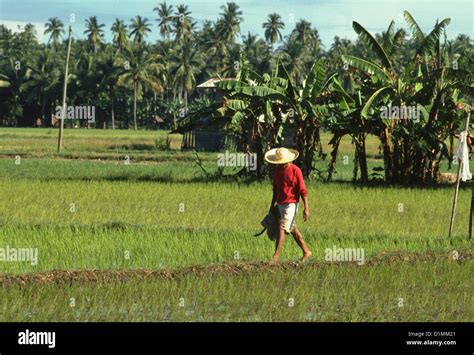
x=458 y=180
x=63 y=111
x=471 y=216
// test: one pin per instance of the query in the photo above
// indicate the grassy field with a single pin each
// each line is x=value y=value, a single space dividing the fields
x=391 y=291
x=88 y=212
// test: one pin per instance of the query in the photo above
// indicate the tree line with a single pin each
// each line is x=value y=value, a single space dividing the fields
x=281 y=83
x=130 y=80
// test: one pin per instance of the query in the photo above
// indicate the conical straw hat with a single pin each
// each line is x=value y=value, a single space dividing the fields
x=281 y=155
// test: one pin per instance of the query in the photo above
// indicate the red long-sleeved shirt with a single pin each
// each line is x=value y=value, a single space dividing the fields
x=288 y=184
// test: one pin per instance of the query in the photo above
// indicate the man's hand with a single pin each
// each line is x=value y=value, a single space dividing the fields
x=306 y=214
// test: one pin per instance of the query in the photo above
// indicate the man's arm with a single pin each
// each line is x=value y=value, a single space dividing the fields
x=303 y=193
x=306 y=208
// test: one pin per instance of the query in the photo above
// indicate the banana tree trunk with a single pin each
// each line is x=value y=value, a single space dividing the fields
x=355 y=171
x=306 y=140
x=257 y=136
x=387 y=154
x=362 y=157
x=332 y=165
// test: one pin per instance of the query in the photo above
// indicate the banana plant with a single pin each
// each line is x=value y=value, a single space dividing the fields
x=273 y=102
x=412 y=149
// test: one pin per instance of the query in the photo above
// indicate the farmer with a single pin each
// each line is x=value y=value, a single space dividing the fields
x=288 y=187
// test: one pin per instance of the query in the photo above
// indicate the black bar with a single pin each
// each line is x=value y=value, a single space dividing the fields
x=292 y=338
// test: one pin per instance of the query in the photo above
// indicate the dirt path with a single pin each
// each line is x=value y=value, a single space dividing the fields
x=101 y=276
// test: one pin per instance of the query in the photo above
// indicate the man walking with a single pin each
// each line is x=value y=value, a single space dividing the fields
x=288 y=187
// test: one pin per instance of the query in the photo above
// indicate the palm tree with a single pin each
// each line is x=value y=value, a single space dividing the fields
x=109 y=75
x=295 y=56
x=257 y=52
x=6 y=42
x=165 y=14
x=308 y=37
x=188 y=62
x=94 y=32
x=44 y=84
x=272 y=27
x=140 y=73
x=183 y=25
x=28 y=36
x=462 y=51
x=303 y=32
x=229 y=24
x=140 y=28
x=13 y=80
x=56 y=29
x=339 y=47
x=232 y=58
x=120 y=31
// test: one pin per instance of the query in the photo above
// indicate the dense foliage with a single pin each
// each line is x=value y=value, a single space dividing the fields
x=282 y=85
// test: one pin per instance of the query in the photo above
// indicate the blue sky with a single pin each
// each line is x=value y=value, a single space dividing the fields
x=330 y=17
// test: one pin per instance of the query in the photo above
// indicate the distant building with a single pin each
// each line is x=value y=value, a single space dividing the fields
x=202 y=133
x=209 y=88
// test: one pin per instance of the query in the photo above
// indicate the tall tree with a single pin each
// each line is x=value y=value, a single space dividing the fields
x=94 y=32
x=295 y=56
x=109 y=75
x=120 y=31
x=165 y=18
x=55 y=28
x=183 y=25
x=303 y=32
x=140 y=71
x=273 y=27
x=140 y=27
x=44 y=83
x=229 y=24
x=188 y=61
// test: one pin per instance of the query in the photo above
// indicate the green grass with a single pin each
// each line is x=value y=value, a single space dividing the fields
x=161 y=212
x=101 y=154
x=42 y=142
x=440 y=291
x=174 y=225
x=85 y=143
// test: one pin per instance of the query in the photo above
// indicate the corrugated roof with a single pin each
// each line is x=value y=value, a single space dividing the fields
x=211 y=83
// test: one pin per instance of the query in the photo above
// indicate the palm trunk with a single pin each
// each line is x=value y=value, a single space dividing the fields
x=113 y=115
x=135 y=105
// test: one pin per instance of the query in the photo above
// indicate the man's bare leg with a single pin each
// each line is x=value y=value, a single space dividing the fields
x=299 y=239
x=279 y=245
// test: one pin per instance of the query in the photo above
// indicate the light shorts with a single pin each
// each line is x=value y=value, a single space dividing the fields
x=288 y=216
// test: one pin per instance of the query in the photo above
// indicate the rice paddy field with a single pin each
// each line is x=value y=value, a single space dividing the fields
x=129 y=228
